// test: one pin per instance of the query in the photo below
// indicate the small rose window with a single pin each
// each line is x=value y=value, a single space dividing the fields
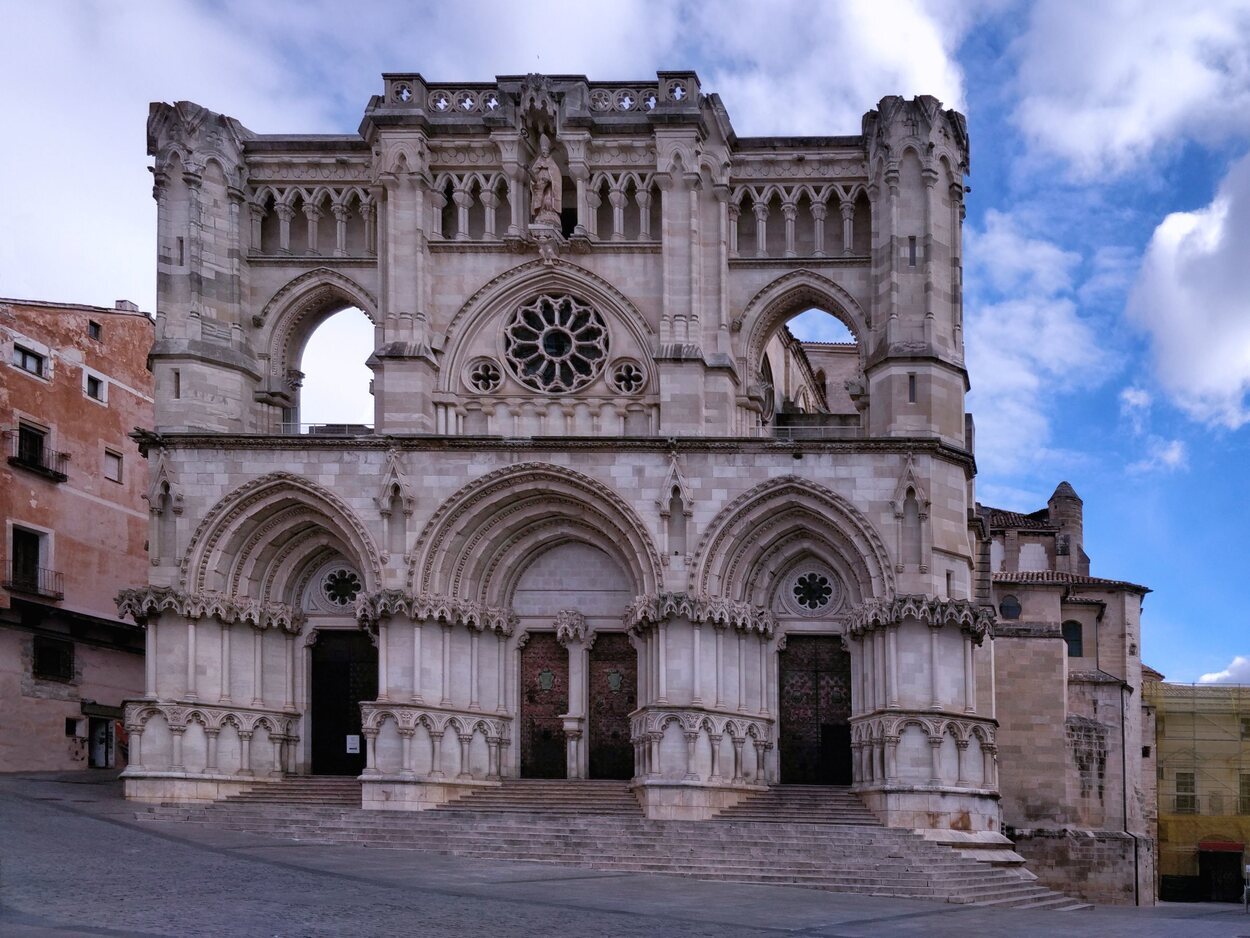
x=812 y=590
x=340 y=587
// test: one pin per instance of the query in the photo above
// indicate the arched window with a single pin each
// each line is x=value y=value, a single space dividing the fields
x=1009 y=607
x=1074 y=635
x=336 y=388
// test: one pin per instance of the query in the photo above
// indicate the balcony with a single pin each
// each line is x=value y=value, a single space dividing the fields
x=325 y=429
x=27 y=451
x=34 y=581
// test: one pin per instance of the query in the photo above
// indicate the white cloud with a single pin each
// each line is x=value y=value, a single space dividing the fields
x=1108 y=85
x=1237 y=672
x=1135 y=405
x=1025 y=341
x=1162 y=455
x=1192 y=296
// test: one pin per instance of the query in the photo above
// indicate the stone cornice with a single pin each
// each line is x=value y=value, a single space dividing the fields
x=977 y=620
x=424 y=607
x=653 y=608
x=197 y=440
x=140 y=604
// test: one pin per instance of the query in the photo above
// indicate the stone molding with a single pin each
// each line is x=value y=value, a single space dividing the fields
x=179 y=716
x=140 y=604
x=651 y=609
x=408 y=717
x=889 y=726
x=425 y=607
x=736 y=726
x=973 y=618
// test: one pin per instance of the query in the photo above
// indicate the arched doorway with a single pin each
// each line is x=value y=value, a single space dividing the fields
x=814 y=674
x=613 y=695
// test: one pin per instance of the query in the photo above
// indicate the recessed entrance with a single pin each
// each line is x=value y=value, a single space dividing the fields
x=344 y=673
x=613 y=686
x=544 y=698
x=815 y=732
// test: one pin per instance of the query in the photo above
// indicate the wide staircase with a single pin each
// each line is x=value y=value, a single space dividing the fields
x=817 y=837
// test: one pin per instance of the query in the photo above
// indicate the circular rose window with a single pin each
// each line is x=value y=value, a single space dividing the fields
x=556 y=344
x=340 y=587
x=811 y=591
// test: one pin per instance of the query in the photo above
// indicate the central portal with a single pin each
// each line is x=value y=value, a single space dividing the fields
x=344 y=672
x=613 y=685
x=815 y=734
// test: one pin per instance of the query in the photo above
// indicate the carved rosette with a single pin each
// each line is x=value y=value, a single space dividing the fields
x=977 y=620
x=648 y=610
x=140 y=604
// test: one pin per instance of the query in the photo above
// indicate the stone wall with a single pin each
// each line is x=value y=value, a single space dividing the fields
x=1097 y=866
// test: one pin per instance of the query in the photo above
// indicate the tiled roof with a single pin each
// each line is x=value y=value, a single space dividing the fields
x=1069 y=579
x=1000 y=519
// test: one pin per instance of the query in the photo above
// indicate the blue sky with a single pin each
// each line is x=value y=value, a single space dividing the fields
x=1106 y=243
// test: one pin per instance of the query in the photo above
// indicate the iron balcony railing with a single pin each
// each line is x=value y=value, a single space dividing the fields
x=325 y=429
x=35 y=581
x=29 y=452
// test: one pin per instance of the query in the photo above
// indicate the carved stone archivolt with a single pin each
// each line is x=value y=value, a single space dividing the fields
x=975 y=619
x=425 y=607
x=141 y=604
x=178 y=717
x=649 y=610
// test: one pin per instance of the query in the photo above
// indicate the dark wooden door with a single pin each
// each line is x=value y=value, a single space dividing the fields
x=815 y=733
x=344 y=673
x=1220 y=875
x=613 y=697
x=544 y=698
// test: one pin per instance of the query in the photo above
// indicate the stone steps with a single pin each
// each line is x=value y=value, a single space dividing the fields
x=302 y=789
x=826 y=839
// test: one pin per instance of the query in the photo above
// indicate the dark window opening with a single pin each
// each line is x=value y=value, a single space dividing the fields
x=181 y=252
x=27 y=360
x=93 y=329
x=54 y=660
x=177 y=384
x=71 y=726
x=1074 y=635
x=911 y=252
x=30 y=444
x=911 y=389
x=1009 y=608
x=95 y=388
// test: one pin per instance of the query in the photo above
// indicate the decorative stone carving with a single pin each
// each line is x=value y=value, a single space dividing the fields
x=649 y=610
x=977 y=620
x=546 y=181
x=571 y=627
x=430 y=608
x=140 y=604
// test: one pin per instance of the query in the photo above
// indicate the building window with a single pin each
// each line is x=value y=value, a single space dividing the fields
x=93 y=329
x=112 y=466
x=54 y=660
x=95 y=388
x=911 y=389
x=30 y=361
x=27 y=571
x=1074 y=635
x=1243 y=802
x=30 y=450
x=1009 y=607
x=1245 y=727
x=31 y=444
x=1186 y=793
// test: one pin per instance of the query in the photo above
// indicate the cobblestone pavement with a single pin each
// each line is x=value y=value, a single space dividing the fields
x=73 y=861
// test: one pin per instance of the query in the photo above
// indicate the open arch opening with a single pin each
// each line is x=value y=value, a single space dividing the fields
x=806 y=373
x=334 y=385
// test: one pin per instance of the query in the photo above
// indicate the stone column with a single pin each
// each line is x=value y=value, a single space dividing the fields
x=368 y=214
x=313 y=214
x=818 y=226
x=245 y=752
x=175 y=735
x=891 y=758
x=961 y=746
x=463 y=199
x=761 y=228
x=136 y=747
x=617 y=199
x=436 y=753
x=445 y=686
x=734 y=210
x=370 y=738
x=934 y=655
x=501 y=674
x=935 y=760
x=697 y=664
x=149 y=659
x=406 y=733
x=739 y=745
x=341 y=214
x=891 y=655
x=475 y=637
x=715 y=776
x=416 y=663
x=288 y=693
x=285 y=213
x=492 y=758
x=789 y=212
x=191 y=662
x=764 y=661
x=643 y=198
x=384 y=665
x=847 y=208
x=258 y=671
x=490 y=202
x=692 y=740
x=662 y=663
x=225 y=663
x=970 y=676
x=275 y=742
x=465 y=740
x=653 y=764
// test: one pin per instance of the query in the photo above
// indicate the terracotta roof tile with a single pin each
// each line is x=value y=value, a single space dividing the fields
x=1001 y=519
x=1026 y=577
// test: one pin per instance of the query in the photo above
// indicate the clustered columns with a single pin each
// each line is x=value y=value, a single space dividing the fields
x=801 y=213
x=573 y=633
x=922 y=734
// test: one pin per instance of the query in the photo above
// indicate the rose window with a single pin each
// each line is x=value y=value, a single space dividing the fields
x=812 y=591
x=340 y=587
x=628 y=377
x=556 y=344
x=484 y=375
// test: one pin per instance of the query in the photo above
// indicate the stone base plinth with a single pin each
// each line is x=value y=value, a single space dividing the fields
x=184 y=787
x=689 y=801
x=389 y=793
x=924 y=808
x=1094 y=865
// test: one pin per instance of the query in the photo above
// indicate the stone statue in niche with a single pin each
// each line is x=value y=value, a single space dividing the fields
x=545 y=186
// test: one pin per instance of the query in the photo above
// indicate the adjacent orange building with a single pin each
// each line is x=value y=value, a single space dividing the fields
x=75 y=383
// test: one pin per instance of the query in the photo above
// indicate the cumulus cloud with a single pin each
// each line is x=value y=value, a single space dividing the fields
x=1237 y=672
x=1025 y=339
x=1162 y=455
x=1192 y=296
x=1105 y=85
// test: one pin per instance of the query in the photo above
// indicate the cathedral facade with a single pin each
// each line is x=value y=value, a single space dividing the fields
x=612 y=519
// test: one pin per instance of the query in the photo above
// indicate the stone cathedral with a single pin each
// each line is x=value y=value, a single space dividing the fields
x=612 y=519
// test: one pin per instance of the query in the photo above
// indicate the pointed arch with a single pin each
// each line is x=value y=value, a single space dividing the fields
x=792 y=293
x=270 y=525
x=764 y=530
x=471 y=547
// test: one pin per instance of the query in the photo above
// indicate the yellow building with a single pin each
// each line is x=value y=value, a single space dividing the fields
x=1203 y=759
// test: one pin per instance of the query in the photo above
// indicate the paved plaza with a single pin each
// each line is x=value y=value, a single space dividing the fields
x=74 y=861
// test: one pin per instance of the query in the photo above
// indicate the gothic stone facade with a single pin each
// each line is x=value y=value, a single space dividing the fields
x=611 y=518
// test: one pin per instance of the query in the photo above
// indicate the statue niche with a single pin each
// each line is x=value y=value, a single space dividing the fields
x=546 y=182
